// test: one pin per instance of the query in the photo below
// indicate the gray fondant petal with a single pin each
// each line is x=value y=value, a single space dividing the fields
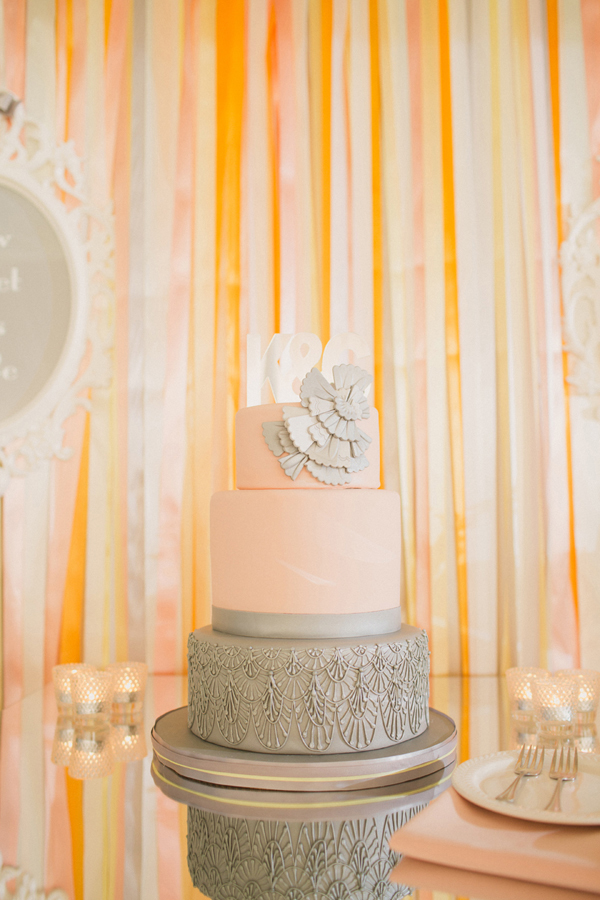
x=270 y=432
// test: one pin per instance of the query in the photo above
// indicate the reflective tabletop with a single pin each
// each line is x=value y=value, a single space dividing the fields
x=118 y=831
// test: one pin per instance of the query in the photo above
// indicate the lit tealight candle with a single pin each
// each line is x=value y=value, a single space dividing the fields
x=129 y=741
x=519 y=682
x=129 y=684
x=587 y=683
x=62 y=678
x=92 y=755
x=92 y=693
x=554 y=704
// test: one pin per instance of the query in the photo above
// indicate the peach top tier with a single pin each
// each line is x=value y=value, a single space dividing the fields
x=258 y=469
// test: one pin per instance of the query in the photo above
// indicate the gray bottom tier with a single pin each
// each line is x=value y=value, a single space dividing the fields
x=232 y=859
x=317 y=696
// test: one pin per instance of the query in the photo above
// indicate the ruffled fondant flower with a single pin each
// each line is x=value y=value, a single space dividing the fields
x=323 y=433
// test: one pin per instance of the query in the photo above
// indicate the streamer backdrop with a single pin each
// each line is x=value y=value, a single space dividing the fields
x=405 y=169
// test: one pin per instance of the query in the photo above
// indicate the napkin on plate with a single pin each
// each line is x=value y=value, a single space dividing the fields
x=453 y=832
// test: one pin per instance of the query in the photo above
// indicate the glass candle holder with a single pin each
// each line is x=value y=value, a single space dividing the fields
x=62 y=745
x=128 y=685
x=519 y=682
x=554 y=705
x=129 y=741
x=92 y=693
x=62 y=678
x=586 y=738
x=92 y=755
x=587 y=683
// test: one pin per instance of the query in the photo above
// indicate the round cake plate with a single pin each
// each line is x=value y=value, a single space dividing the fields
x=189 y=756
x=314 y=806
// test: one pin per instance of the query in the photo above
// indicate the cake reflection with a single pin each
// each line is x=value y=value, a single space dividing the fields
x=251 y=844
x=259 y=860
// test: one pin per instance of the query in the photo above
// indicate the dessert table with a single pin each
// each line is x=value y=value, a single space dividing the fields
x=125 y=835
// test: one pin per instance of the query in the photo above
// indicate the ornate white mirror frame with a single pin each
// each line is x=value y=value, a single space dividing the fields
x=580 y=258
x=56 y=291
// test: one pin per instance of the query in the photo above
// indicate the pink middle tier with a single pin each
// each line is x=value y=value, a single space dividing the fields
x=305 y=551
x=257 y=468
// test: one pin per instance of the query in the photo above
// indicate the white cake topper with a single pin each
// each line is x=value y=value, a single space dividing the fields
x=277 y=374
x=326 y=438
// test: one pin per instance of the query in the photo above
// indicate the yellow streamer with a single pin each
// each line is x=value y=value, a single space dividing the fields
x=452 y=338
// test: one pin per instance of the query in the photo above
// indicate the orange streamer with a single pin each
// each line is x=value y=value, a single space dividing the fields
x=553 y=58
x=452 y=338
x=230 y=106
x=72 y=615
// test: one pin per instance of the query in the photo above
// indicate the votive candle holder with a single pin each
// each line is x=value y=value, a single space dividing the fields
x=92 y=693
x=587 y=683
x=92 y=755
x=62 y=745
x=62 y=677
x=519 y=681
x=554 y=705
x=129 y=683
x=129 y=741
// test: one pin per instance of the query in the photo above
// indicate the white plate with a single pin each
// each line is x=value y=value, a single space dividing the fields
x=481 y=780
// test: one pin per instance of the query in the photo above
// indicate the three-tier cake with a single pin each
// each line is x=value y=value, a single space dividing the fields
x=307 y=653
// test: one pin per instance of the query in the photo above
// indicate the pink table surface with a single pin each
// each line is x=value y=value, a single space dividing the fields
x=461 y=882
x=453 y=832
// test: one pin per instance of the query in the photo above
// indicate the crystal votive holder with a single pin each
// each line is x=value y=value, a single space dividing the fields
x=62 y=677
x=92 y=693
x=586 y=738
x=587 y=683
x=519 y=681
x=62 y=745
x=129 y=685
x=554 y=705
x=92 y=755
x=128 y=740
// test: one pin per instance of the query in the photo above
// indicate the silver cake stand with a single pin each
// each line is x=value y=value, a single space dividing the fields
x=182 y=758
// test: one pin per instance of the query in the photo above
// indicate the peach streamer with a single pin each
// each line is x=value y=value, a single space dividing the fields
x=377 y=213
x=167 y=813
x=166 y=655
x=13 y=555
x=590 y=21
x=15 y=16
x=287 y=168
x=564 y=622
x=58 y=850
x=10 y=781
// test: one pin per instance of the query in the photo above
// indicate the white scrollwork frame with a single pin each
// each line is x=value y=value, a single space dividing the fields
x=580 y=257
x=52 y=178
x=25 y=887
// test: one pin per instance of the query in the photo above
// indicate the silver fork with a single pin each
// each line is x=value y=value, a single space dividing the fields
x=563 y=768
x=529 y=764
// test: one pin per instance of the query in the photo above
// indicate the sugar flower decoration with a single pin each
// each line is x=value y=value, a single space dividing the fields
x=323 y=433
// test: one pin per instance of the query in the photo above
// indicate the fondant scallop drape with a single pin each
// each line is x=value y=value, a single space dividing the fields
x=405 y=169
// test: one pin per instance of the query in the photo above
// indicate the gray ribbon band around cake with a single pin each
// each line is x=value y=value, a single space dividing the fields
x=301 y=626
